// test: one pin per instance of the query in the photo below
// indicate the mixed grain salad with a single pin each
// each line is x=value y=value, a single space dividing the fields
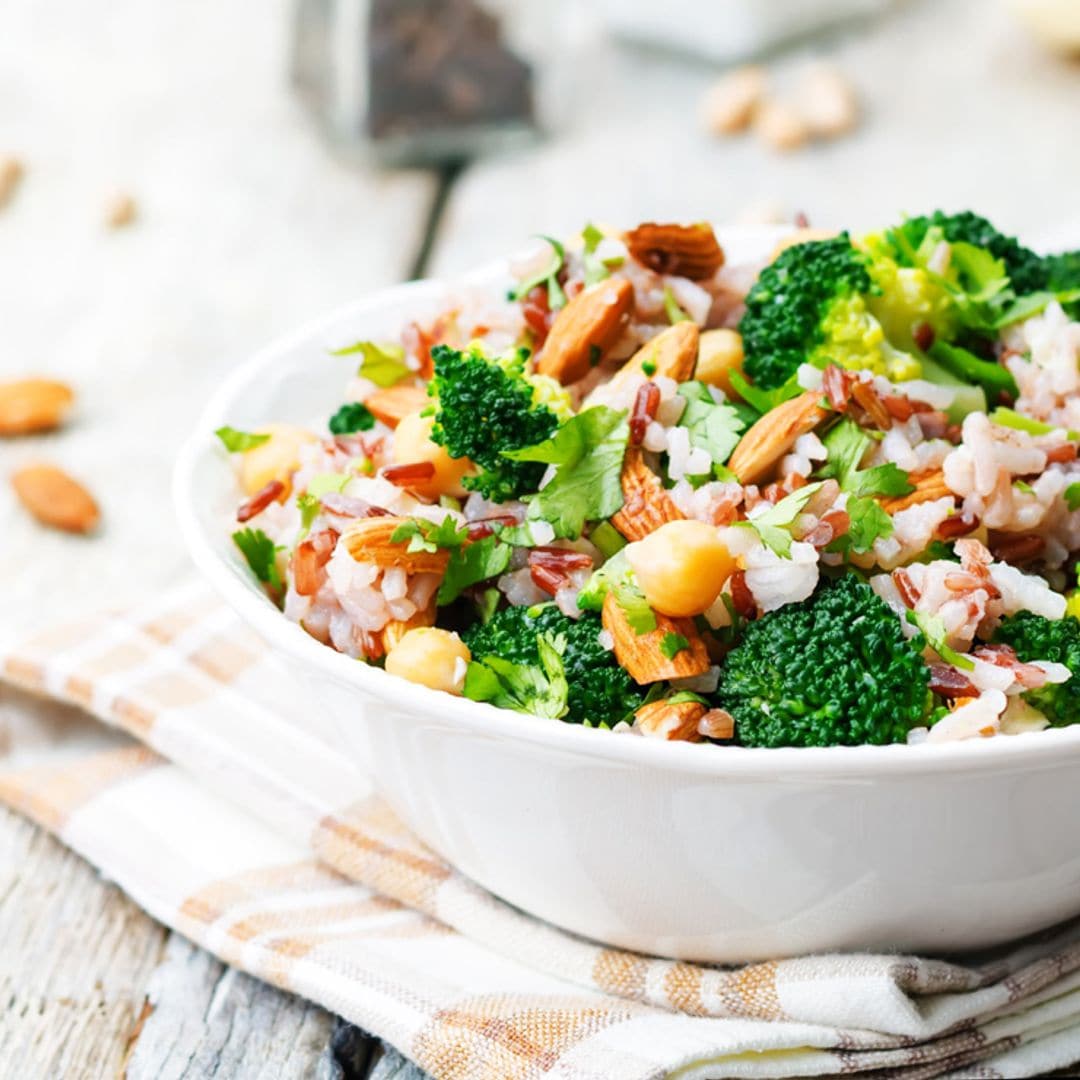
x=828 y=498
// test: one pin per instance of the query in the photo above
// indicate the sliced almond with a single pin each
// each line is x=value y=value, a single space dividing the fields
x=720 y=353
x=368 y=540
x=676 y=721
x=585 y=330
x=690 y=251
x=394 y=403
x=646 y=505
x=55 y=499
x=761 y=448
x=641 y=655
x=29 y=405
x=929 y=487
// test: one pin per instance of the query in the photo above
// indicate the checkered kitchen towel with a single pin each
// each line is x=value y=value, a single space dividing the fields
x=255 y=840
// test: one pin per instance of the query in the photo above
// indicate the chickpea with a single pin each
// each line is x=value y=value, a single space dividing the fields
x=276 y=459
x=413 y=443
x=681 y=567
x=431 y=657
x=720 y=352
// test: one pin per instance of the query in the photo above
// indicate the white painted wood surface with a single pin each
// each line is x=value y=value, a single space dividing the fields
x=247 y=227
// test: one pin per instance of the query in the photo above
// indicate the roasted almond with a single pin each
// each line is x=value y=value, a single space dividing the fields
x=368 y=540
x=585 y=330
x=29 y=405
x=929 y=487
x=690 y=251
x=55 y=499
x=393 y=404
x=646 y=505
x=672 y=354
x=761 y=448
x=674 y=721
x=641 y=654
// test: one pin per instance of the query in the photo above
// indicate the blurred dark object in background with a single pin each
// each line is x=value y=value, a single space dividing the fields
x=412 y=82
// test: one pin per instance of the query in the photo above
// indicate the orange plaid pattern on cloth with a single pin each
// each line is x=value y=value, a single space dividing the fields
x=248 y=834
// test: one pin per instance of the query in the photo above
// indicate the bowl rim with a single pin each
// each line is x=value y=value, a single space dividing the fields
x=1030 y=749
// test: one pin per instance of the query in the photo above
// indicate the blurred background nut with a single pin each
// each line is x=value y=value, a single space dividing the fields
x=31 y=405
x=827 y=102
x=11 y=172
x=120 y=210
x=728 y=106
x=780 y=125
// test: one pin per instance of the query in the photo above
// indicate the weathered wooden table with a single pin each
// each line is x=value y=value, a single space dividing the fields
x=247 y=225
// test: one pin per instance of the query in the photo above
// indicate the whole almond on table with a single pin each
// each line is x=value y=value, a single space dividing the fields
x=781 y=125
x=585 y=330
x=32 y=405
x=827 y=102
x=729 y=104
x=120 y=210
x=55 y=499
x=11 y=172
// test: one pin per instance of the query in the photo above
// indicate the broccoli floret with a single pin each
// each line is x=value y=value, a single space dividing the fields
x=1027 y=271
x=487 y=405
x=1063 y=275
x=812 y=305
x=1035 y=637
x=834 y=670
x=600 y=691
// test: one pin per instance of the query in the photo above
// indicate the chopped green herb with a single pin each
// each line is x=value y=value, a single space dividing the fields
x=239 y=442
x=383 y=364
x=587 y=452
x=674 y=313
x=548 y=276
x=607 y=538
x=1023 y=486
x=933 y=627
x=325 y=483
x=672 y=644
x=487 y=603
x=774 y=525
x=1072 y=496
x=1010 y=418
x=596 y=269
x=846 y=445
x=353 y=416
x=762 y=401
x=635 y=607
x=424 y=535
x=472 y=563
x=309 y=506
x=540 y=689
x=648 y=367
x=261 y=555
x=712 y=427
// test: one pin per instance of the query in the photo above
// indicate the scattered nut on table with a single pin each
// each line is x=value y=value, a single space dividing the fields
x=11 y=173
x=780 y=125
x=827 y=102
x=120 y=210
x=729 y=104
x=31 y=405
x=56 y=499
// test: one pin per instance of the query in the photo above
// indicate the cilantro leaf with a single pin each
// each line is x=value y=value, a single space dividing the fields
x=239 y=442
x=712 y=427
x=596 y=268
x=672 y=644
x=587 y=452
x=635 y=607
x=261 y=555
x=424 y=535
x=538 y=689
x=933 y=628
x=383 y=364
x=774 y=524
x=548 y=276
x=1072 y=496
x=309 y=506
x=617 y=577
x=353 y=416
x=472 y=563
x=762 y=401
x=869 y=522
x=846 y=444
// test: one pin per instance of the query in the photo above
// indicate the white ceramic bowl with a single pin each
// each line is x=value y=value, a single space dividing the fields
x=698 y=852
